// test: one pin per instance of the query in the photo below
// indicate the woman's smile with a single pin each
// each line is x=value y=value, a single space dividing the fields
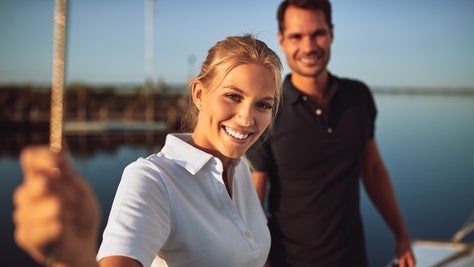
x=236 y=134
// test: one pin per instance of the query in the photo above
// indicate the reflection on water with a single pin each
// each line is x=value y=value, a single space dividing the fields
x=82 y=145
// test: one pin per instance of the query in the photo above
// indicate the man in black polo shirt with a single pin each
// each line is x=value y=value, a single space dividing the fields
x=321 y=142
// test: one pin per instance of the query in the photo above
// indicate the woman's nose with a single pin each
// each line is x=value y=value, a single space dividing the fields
x=244 y=117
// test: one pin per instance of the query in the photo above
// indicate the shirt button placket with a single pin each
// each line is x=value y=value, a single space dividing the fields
x=248 y=234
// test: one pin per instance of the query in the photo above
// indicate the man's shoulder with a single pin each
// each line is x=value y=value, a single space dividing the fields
x=347 y=82
x=350 y=85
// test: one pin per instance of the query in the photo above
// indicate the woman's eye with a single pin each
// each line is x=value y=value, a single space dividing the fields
x=234 y=97
x=264 y=106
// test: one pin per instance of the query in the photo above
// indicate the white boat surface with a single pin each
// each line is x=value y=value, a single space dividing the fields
x=451 y=253
x=430 y=253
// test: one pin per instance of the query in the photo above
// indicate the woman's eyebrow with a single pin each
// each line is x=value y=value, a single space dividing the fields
x=240 y=91
x=233 y=87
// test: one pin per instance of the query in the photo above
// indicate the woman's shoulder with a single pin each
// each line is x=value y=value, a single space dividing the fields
x=146 y=170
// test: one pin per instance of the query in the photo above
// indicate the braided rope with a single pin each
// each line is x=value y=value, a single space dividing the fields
x=57 y=84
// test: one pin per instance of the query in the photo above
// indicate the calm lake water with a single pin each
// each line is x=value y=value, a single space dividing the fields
x=427 y=143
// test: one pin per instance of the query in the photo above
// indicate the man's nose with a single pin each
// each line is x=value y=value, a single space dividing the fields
x=309 y=44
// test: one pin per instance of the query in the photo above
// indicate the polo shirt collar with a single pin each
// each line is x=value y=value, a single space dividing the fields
x=294 y=95
x=291 y=93
x=178 y=149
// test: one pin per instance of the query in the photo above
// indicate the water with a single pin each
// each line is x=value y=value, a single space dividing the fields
x=427 y=143
x=428 y=147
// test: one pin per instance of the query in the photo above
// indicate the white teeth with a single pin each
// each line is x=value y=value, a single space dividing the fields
x=236 y=134
x=312 y=58
x=307 y=60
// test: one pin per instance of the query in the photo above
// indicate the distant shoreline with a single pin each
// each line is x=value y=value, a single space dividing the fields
x=423 y=91
x=182 y=88
x=72 y=127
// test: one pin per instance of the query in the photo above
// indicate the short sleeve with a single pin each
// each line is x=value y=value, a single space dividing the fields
x=139 y=220
x=372 y=109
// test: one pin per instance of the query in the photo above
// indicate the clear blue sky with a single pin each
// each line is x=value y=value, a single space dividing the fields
x=415 y=43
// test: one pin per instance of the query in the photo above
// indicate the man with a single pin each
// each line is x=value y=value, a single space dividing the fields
x=321 y=142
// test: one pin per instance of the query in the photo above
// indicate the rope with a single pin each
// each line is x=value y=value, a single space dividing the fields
x=57 y=83
x=465 y=229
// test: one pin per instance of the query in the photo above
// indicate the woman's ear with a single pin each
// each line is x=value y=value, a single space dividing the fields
x=197 y=91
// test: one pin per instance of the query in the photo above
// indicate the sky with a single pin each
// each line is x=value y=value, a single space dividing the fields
x=403 y=43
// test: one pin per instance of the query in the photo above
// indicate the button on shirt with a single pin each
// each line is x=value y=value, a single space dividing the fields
x=174 y=204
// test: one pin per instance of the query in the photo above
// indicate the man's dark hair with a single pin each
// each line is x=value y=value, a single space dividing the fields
x=314 y=5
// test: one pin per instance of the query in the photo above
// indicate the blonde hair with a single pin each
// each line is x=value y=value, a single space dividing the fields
x=226 y=55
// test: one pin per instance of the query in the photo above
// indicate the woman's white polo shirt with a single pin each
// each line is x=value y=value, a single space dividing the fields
x=175 y=204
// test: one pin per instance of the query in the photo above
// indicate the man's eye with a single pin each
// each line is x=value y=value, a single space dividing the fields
x=294 y=38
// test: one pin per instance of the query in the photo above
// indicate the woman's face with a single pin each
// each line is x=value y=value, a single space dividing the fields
x=233 y=115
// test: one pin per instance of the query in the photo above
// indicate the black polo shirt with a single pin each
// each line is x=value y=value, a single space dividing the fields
x=314 y=161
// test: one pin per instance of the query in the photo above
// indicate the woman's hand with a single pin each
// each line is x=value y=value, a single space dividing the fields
x=56 y=213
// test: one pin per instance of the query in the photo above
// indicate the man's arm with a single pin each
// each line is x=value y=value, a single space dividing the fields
x=377 y=184
x=260 y=181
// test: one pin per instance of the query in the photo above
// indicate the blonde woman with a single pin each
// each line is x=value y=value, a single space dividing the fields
x=191 y=204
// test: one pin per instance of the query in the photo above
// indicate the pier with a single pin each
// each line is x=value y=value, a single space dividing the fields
x=99 y=108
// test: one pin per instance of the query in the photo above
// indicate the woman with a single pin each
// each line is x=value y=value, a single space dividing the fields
x=192 y=204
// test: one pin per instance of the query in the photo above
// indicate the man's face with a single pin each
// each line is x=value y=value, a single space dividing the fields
x=306 y=41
